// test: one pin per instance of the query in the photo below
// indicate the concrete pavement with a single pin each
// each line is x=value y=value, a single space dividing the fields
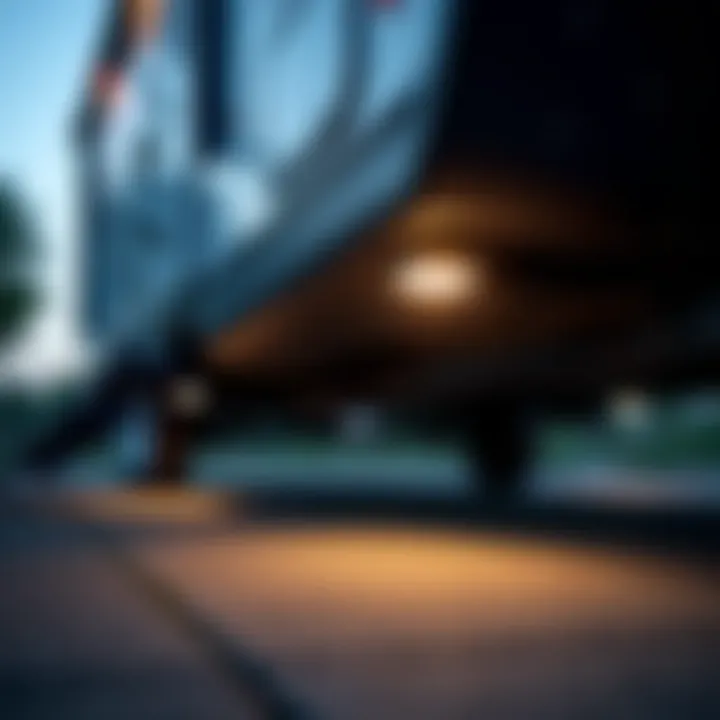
x=375 y=617
x=79 y=640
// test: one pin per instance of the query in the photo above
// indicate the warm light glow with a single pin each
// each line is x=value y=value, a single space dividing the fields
x=437 y=279
x=180 y=506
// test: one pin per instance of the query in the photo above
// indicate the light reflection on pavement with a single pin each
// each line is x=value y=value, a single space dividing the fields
x=395 y=617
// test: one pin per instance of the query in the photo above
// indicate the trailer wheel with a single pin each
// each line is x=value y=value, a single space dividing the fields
x=500 y=451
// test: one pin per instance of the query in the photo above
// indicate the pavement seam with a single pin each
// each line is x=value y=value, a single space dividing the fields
x=252 y=681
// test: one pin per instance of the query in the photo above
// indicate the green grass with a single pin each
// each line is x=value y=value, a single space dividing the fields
x=664 y=446
x=667 y=444
x=318 y=448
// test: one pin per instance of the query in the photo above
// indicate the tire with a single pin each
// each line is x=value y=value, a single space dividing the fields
x=500 y=451
x=171 y=460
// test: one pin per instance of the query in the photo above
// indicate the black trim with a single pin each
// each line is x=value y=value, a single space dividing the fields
x=212 y=29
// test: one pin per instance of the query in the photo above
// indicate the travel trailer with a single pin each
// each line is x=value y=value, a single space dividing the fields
x=471 y=213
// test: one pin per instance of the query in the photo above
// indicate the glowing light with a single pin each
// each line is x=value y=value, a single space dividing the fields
x=437 y=280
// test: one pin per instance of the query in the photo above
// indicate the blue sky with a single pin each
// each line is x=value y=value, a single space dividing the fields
x=45 y=50
x=45 y=47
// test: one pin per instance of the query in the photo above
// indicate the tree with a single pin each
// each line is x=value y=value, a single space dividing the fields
x=18 y=293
